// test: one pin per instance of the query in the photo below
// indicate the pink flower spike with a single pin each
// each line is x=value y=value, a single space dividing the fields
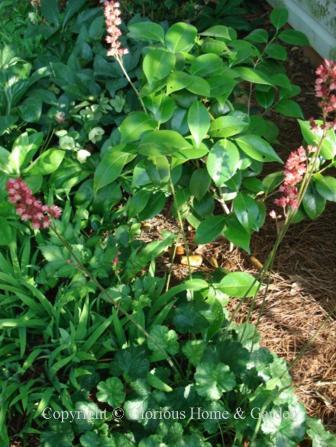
x=113 y=21
x=28 y=207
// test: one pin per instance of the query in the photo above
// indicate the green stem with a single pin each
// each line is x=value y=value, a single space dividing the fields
x=180 y=221
x=119 y=60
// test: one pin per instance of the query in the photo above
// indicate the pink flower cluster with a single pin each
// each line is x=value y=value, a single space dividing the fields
x=28 y=207
x=113 y=21
x=294 y=171
x=325 y=86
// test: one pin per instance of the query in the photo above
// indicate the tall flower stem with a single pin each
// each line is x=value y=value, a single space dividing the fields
x=136 y=91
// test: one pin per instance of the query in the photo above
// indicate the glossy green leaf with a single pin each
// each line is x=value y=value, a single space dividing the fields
x=24 y=148
x=254 y=76
x=239 y=285
x=279 y=17
x=290 y=108
x=162 y=107
x=276 y=51
x=111 y=391
x=198 y=121
x=110 y=167
x=266 y=99
x=158 y=64
x=136 y=124
x=220 y=31
x=47 y=163
x=294 y=37
x=258 y=36
x=198 y=86
x=181 y=37
x=236 y=233
x=229 y=125
x=223 y=161
x=206 y=65
x=162 y=142
x=247 y=211
x=257 y=148
x=209 y=229
x=326 y=186
x=199 y=183
x=313 y=203
x=146 y=31
x=213 y=380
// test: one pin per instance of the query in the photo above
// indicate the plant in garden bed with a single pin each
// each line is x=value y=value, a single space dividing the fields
x=86 y=323
x=196 y=139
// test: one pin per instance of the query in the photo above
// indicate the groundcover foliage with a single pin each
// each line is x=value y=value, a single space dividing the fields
x=87 y=323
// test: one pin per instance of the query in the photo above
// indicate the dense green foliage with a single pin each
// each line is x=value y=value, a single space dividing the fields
x=86 y=321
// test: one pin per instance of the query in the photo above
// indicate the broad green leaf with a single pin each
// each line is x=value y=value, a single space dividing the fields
x=50 y=11
x=158 y=170
x=24 y=148
x=194 y=351
x=328 y=148
x=162 y=340
x=212 y=380
x=178 y=80
x=247 y=211
x=47 y=163
x=146 y=31
x=294 y=37
x=110 y=167
x=135 y=125
x=162 y=107
x=158 y=64
x=220 y=31
x=209 y=229
x=111 y=391
x=326 y=186
x=277 y=52
x=254 y=76
x=257 y=148
x=206 y=65
x=272 y=181
x=290 y=108
x=223 y=161
x=181 y=37
x=258 y=36
x=279 y=17
x=266 y=99
x=239 y=285
x=198 y=86
x=198 y=121
x=313 y=203
x=229 y=125
x=31 y=110
x=162 y=142
x=236 y=233
x=199 y=183
x=196 y=284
